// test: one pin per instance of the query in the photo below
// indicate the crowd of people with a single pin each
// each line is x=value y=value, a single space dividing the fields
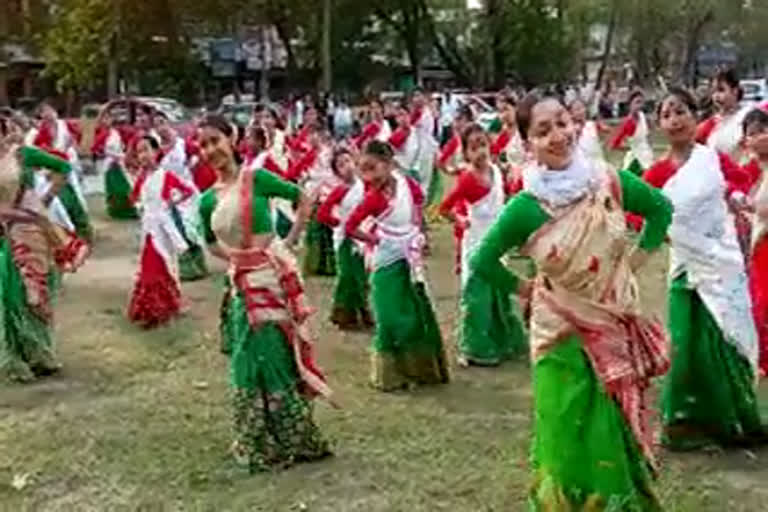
x=533 y=186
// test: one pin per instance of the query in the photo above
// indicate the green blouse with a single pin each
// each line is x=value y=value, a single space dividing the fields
x=32 y=158
x=523 y=216
x=266 y=185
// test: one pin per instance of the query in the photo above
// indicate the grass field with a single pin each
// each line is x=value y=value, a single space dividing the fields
x=140 y=421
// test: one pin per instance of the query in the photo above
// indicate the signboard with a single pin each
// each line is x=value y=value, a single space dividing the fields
x=223 y=50
x=223 y=69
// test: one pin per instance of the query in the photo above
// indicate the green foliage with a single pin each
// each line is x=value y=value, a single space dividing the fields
x=75 y=47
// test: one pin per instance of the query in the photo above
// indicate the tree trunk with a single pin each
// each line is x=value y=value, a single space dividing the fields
x=266 y=61
x=688 y=68
x=612 y=23
x=3 y=86
x=291 y=66
x=112 y=53
x=491 y=22
x=447 y=49
x=326 y=47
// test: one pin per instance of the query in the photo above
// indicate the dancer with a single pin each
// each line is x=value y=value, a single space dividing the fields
x=269 y=120
x=587 y=132
x=709 y=394
x=405 y=143
x=30 y=249
x=192 y=265
x=423 y=123
x=491 y=329
x=507 y=148
x=593 y=353
x=318 y=181
x=451 y=155
x=756 y=146
x=377 y=128
x=108 y=152
x=350 y=299
x=407 y=346
x=53 y=134
x=723 y=131
x=263 y=158
x=273 y=373
x=156 y=296
x=634 y=130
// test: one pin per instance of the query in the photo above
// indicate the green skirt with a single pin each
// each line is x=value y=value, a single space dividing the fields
x=709 y=392
x=192 y=266
x=283 y=225
x=77 y=213
x=584 y=455
x=26 y=343
x=350 y=299
x=319 y=258
x=273 y=422
x=226 y=328
x=491 y=328
x=407 y=346
x=435 y=188
x=117 y=190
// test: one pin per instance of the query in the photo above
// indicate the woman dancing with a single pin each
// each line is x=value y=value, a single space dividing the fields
x=31 y=248
x=491 y=328
x=350 y=299
x=709 y=394
x=407 y=346
x=156 y=296
x=593 y=353
x=272 y=368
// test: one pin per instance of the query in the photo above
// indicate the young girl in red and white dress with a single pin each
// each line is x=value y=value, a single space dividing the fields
x=507 y=149
x=723 y=131
x=491 y=330
x=756 y=145
x=451 y=157
x=588 y=133
x=156 y=296
x=634 y=131
x=350 y=300
x=377 y=128
x=407 y=346
x=404 y=142
x=314 y=172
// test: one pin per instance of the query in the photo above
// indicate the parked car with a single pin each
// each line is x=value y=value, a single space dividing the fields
x=123 y=111
x=755 y=90
x=238 y=113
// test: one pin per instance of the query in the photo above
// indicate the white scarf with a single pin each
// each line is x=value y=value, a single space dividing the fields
x=704 y=245
x=563 y=187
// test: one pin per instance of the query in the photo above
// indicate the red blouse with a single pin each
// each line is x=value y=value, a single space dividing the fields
x=399 y=136
x=325 y=210
x=375 y=202
x=626 y=130
x=171 y=183
x=369 y=132
x=705 y=129
x=500 y=143
x=448 y=151
x=301 y=166
x=469 y=188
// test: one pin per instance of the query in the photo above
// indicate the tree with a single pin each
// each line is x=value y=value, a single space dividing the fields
x=75 y=48
x=326 y=47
